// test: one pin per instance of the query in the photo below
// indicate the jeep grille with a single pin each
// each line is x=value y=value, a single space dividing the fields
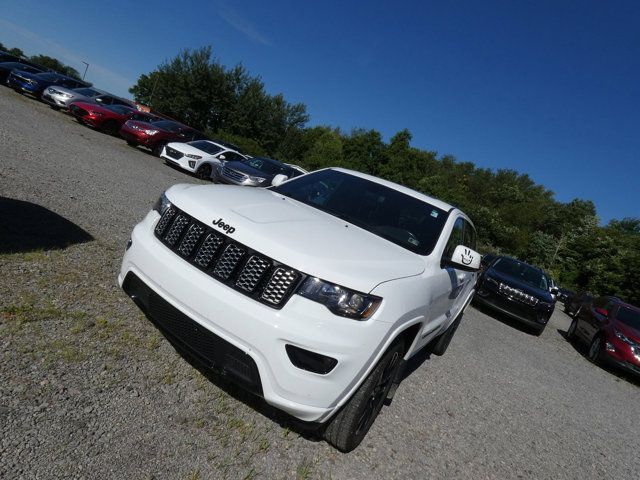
x=230 y=262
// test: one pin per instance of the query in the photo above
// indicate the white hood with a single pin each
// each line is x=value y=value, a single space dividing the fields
x=299 y=235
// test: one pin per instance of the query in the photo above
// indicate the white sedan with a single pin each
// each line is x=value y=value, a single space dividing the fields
x=199 y=157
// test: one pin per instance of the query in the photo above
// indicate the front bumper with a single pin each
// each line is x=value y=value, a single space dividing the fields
x=622 y=355
x=262 y=332
x=136 y=136
x=26 y=87
x=56 y=100
x=515 y=309
x=182 y=162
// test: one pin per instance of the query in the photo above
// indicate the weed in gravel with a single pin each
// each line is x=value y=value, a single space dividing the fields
x=28 y=313
x=304 y=470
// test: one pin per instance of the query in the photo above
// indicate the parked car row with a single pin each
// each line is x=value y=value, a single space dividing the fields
x=608 y=326
x=178 y=144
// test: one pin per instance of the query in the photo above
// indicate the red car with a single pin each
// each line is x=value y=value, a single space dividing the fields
x=611 y=328
x=107 y=118
x=155 y=135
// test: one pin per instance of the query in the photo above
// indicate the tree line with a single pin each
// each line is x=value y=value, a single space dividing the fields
x=512 y=213
x=44 y=61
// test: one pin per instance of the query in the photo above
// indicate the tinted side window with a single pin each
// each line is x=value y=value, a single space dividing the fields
x=456 y=238
x=600 y=302
x=469 y=235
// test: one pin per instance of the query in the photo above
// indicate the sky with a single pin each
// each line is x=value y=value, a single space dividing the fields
x=547 y=88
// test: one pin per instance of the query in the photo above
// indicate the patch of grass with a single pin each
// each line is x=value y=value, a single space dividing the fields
x=28 y=313
x=195 y=475
x=304 y=470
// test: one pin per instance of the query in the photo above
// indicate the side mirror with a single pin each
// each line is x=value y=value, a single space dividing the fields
x=278 y=179
x=554 y=290
x=99 y=100
x=464 y=258
x=221 y=157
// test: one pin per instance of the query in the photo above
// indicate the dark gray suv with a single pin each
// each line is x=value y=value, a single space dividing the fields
x=253 y=172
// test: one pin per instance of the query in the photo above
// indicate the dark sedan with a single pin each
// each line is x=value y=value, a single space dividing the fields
x=7 y=67
x=35 y=83
x=519 y=290
x=253 y=172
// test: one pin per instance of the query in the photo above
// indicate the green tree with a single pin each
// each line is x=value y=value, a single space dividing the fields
x=54 y=64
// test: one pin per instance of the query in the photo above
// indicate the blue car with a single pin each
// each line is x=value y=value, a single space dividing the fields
x=35 y=83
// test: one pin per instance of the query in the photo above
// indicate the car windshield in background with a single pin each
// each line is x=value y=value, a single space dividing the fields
x=270 y=167
x=166 y=125
x=523 y=272
x=205 y=146
x=87 y=92
x=49 y=77
x=402 y=219
x=121 y=109
x=629 y=317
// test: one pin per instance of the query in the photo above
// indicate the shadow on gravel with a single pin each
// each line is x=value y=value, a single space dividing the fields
x=603 y=364
x=502 y=318
x=25 y=227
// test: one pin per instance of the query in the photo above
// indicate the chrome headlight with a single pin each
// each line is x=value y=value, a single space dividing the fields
x=256 y=179
x=493 y=281
x=162 y=204
x=65 y=95
x=195 y=157
x=340 y=300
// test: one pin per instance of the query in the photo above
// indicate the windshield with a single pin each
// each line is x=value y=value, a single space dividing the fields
x=210 y=148
x=121 y=109
x=270 y=167
x=87 y=92
x=49 y=77
x=629 y=317
x=521 y=271
x=399 y=218
x=166 y=125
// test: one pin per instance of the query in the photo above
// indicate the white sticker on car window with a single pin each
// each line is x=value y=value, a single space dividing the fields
x=434 y=213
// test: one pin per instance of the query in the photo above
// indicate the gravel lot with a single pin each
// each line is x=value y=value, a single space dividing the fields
x=90 y=389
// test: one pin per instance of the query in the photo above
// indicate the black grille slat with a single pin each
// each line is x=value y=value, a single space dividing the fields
x=176 y=229
x=279 y=285
x=252 y=273
x=234 y=174
x=173 y=153
x=237 y=266
x=228 y=261
x=207 y=250
x=165 y=220
x=190 y=239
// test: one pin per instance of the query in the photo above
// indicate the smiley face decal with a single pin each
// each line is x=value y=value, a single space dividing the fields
x=466 y=257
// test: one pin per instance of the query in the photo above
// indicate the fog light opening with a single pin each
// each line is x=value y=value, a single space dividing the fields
x=610 y=348
x=128 y=245
x=192 y=163
x=310 y=361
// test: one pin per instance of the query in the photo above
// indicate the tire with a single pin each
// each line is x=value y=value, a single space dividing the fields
x=157 y=149
x=441 y=343
x=109 y=127
x=204 y=172
x=53 y=107
x=595 y=349
x=571 y=332
x=132 y=144
x=350 y=425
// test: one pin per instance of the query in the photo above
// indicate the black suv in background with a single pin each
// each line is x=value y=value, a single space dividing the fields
x=576 y=302
x=517 y=289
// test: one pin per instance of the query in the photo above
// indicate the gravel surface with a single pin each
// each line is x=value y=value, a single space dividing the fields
x=90 y=389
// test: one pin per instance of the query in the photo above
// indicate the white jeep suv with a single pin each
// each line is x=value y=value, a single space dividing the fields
x=311 y=293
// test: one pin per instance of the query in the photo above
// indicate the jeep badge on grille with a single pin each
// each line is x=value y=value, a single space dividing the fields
x=224 y=226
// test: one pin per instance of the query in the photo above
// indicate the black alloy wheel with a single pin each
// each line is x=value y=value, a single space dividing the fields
x=595 y=349
x=204 y=172
x=350 y=425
